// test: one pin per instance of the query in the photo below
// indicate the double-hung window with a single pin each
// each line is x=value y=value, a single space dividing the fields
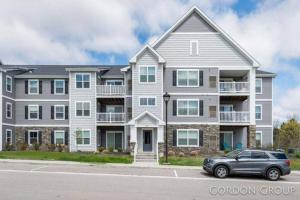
x=83 y=80
x=194 y=48
x=187 y=107
x=258 y=86
x=258 y=112
x=258 y=139
x=188 y=137
x=8 y=84
x=8 y=136
x=33 y=111
x=8 y=110
x=147 y=74
x=83 y=109
x=59 y=112
x=147 y=101
x=33 y=86
x=59 y=86
x=187 y=78
x=33 y=137
x=59 y=137
x=83 y=137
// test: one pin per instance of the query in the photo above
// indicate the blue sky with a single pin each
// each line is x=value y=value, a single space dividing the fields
x=110 y=32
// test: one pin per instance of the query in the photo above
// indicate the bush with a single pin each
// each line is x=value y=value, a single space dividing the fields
x=193 y=153
x=181 y=154
x=101 y=149
x=105 y=151
x=36 y=146
x=119 y=149
x=51 y=147
x=111 y=149
x=297 y=155
x=171 y=153
x=60 y=147
x=9 y=147
x=22 y=146
x=226 y=151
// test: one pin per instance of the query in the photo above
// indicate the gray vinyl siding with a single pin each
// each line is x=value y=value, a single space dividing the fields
x=46 y=113
x=168 y=86
x=213 y=51
x=46 y=93
x=4 y=127
x=266 y=88
x=266 y=113
x=6 y=120
x=147 y=89
x=194 y=24
x=212 y=100
x=266 y=135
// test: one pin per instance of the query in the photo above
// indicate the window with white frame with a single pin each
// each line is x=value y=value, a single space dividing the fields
x=83 y=109
x=8 y=84
x=59 y=86
x=147 y=74
x=8 y=110
x=258 y=139
x=59 y=112
x=187 y=107
x=83 y=80
x=188 y=78
x=33 y=112
x=33 y=86
x=59 y=137
x=83 y=137
x=258 y=86
x=8 y=136
x=194 y=48
x=33 y=137
x=188 y=137
x=147 y=101
x=258 y=112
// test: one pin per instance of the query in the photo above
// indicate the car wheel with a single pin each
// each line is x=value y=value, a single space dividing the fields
x=221 y=171
x=273 y=174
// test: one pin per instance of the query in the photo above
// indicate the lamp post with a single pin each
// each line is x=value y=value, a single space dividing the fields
x=166 y=97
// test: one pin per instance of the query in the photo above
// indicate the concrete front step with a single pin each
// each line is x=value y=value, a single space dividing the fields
x=146 y=157
x=145 y=160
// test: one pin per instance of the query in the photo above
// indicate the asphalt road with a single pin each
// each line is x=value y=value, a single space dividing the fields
x=59 y=181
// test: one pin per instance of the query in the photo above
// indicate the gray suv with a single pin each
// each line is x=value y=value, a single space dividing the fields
x=270 y=164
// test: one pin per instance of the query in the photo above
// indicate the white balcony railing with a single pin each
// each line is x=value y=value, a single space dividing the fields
x=110 y=117
x=111 y=90
x=241 y=116
x=234 y=87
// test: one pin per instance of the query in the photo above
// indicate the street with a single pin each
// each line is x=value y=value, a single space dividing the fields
x=65 y=181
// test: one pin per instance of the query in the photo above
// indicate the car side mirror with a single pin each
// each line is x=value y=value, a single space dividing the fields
x=237 y=158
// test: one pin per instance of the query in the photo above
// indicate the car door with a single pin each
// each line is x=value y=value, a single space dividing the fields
x=241 y=164
x=259 y=161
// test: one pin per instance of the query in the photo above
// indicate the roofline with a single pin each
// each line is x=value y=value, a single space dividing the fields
x=132 y=121
x=255 y=63
x=85 y=69
x=266 y=75
x=147 y=46
x=40 y=76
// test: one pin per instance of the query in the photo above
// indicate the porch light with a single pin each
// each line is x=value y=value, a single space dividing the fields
x=166 y=97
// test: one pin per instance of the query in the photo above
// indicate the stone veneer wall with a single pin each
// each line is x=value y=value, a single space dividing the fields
x=211 y=135
x=252 y=134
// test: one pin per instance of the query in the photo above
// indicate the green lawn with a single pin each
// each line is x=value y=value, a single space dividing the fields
x=64 y=156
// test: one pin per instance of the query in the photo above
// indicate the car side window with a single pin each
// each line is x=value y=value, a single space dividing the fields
x=259 y=155
x=245 y=155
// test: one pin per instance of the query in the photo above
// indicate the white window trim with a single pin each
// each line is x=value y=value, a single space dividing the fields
x=259 y=132
x=64 y=117
x=11 y=110
x=83 y=115
x=38 y=112
x=28 y=136
x=38 y=86
x=64 y=88
x=107 y=81
x=8 y=130
x=89 y=130
x=261 y=88
x=57 y=131
x=8 y=77
x=196 y=115
x=190 y=86
x=191 y=49
x=82 y=81
x=187 y=138
x=113 y=132
x=261 y=111
x=147 y=101
x=155 y=74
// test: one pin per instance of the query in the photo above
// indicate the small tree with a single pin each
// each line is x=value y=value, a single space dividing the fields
x=288 y=135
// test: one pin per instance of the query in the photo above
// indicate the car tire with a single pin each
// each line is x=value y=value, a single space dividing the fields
x=221 y=171
x=273 y=174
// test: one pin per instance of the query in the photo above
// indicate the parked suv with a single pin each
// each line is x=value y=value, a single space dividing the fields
x=270 y=164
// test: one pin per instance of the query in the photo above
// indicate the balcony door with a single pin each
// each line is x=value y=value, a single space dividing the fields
x=226 y=108
x=114 y=108
x=226 y=140
x=114 y=82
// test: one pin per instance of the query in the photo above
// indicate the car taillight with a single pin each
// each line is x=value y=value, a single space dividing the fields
x=288 y=162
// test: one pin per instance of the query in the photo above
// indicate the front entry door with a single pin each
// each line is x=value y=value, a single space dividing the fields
x=147 y=140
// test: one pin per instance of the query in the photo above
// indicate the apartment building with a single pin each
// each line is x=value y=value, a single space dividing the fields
x=218 y=98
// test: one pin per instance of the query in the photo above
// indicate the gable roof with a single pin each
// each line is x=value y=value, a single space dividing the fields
x=196 y=10
x=147 y=47
x=132 y=122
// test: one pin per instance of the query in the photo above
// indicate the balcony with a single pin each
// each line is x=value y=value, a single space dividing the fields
x=233 y=117
x=234 y=87
x=111 y=90
x=110 y=117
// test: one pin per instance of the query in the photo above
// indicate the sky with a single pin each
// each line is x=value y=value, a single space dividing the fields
x=112 y=31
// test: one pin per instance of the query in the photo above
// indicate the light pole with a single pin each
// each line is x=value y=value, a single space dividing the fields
x=166 y=97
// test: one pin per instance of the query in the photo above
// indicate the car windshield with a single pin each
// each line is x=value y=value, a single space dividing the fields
x=232 y=154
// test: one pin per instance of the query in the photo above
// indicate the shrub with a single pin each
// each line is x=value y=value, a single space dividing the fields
x=23 y=146
x=226 y=151
x=119 y=149
x=171 y=153
x=297 y=155
x=9 y=147
x=36 y=146
x=60 y=147
x=51 y=147
x=100 y=149
x=181 y=154
x=105 y=151
x=110 y=149
x=193 y=153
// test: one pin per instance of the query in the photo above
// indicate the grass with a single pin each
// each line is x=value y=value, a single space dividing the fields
x=65 y=156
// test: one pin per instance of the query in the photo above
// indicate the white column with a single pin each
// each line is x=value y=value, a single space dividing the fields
x=1 y=132
x=252 y=74
x=160 y=134
x=133 y=134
